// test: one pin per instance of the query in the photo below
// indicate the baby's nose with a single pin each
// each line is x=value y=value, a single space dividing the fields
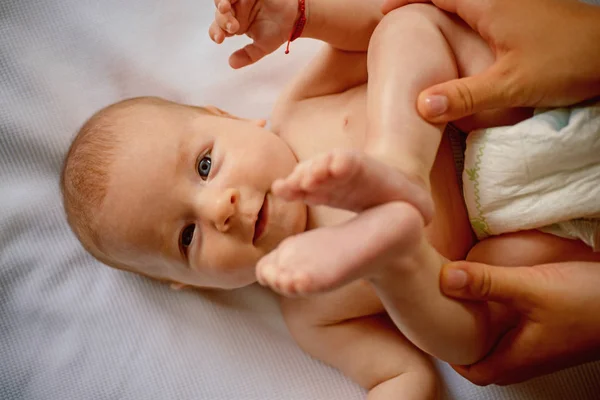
x=224 y=207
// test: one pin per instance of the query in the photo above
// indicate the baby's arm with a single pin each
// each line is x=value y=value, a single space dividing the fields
x=364 y=346
x=344 y=24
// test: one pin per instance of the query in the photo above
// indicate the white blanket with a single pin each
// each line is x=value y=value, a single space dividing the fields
x=71 y=328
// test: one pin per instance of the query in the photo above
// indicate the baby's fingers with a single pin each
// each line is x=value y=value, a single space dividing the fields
x=227 y=21
x=248 y=55
x=216 y=34
x=224 y=6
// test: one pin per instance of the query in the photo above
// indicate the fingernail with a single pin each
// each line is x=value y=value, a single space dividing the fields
x=436 y=105
x=455 y=279
x=228 y=27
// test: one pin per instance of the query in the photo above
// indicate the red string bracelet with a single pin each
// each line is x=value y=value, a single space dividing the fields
x=298 y=26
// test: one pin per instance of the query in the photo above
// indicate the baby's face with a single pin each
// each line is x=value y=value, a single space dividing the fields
x=189 y=197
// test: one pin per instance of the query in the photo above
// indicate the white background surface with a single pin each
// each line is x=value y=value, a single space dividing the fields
x=71 y=328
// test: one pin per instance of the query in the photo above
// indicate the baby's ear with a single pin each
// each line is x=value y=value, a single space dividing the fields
x=177 y=286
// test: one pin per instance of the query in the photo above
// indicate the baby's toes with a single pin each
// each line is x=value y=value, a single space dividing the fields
x=282 y=188
x=278 y=279
x=285 y=282
x=309 y=183
x=289 y=188
x=320 y=168
x=294 y=180
x=343 y=163
x=265 y=270
x=312 y=175
x=301 y=283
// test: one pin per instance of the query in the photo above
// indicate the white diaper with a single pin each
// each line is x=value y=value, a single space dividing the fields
x=543 y=173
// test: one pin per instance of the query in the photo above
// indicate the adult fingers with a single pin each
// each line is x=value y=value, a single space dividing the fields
x=513 y=360
x=513 y=286
x=460 y=98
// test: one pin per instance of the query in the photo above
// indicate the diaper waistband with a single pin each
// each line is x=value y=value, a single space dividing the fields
x=458 y=142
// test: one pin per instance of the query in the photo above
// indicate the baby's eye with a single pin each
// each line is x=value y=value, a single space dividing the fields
x=187 y=234
x=204 y=167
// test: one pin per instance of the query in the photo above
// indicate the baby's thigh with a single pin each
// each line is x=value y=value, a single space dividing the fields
x=522 y=249
x=528 y=248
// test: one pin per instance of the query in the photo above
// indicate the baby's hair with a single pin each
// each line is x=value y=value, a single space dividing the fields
x=85 y=174
x=86 y=171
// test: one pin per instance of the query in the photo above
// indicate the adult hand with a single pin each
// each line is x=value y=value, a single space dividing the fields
x=547 y=55
x=559 y=325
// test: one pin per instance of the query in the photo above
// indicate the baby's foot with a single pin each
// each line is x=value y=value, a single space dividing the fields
x=351 y=180
x=326 y=258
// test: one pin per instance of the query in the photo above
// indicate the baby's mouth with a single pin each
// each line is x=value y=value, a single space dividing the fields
x=261 y=220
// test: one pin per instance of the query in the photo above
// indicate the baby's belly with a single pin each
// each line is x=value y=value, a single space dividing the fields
x=321 y=124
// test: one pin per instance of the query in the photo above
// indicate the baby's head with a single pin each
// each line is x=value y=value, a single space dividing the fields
x=178 y=193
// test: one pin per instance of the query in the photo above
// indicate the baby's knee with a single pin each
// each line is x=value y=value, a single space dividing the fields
x=405 y=30
x=408 y=18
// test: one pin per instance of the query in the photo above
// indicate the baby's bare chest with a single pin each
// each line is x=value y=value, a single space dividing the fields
x=321 y=124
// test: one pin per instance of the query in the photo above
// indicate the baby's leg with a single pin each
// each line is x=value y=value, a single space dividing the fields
x=326 y=258
x=384 y=244
x=411 y=300
x=413 y=48
x=525 y=248
x=358 y=339
x=348 y=180
x=528 y=248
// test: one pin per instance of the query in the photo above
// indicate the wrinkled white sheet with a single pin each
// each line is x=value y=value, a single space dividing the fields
x=73 y=329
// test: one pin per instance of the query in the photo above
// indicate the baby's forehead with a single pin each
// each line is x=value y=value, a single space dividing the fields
x=141 y=115
x=139 y=124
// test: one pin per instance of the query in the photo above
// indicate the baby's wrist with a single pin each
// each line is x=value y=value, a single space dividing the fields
x=290 y=15
x=300 y=19
x=293 y=10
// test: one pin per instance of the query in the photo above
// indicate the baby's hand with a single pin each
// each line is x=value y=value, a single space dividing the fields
x=267 y=22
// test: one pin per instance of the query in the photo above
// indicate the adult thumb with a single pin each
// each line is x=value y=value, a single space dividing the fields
x=513 y=286
x=459 y=98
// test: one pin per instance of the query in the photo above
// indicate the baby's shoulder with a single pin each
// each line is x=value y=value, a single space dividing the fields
x=283 y=111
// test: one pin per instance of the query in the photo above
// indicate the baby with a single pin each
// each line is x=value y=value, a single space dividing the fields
x=197 y=197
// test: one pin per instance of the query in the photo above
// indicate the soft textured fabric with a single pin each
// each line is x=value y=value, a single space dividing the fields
x=71 y=328
x=543 y=172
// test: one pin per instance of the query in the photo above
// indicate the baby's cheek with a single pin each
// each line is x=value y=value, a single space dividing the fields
x=232 y=262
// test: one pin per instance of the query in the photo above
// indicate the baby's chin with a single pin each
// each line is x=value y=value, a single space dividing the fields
x=231 y=286
x=226 y=283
